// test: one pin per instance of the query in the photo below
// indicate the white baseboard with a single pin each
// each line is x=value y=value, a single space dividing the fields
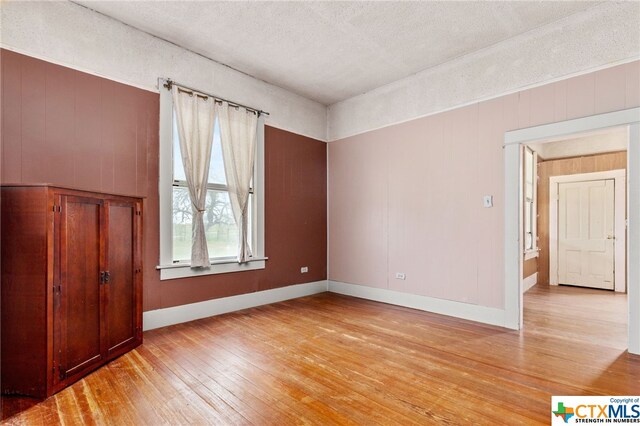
x=467 y=311
x=193 y=311
x=529 y=282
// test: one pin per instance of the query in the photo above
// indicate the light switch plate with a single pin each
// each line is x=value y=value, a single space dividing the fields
x=487 y=201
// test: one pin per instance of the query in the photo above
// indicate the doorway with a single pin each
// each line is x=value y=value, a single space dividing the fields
x=514 y=212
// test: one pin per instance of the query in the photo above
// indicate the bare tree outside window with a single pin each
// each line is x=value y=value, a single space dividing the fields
x=220 y=227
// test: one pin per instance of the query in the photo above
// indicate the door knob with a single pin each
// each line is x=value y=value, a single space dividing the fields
x=610 y=237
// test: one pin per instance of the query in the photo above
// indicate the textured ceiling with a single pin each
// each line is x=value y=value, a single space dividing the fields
x=331 y=51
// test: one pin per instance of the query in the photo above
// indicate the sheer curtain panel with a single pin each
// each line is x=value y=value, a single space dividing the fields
x=196 y=116
x=238 y=128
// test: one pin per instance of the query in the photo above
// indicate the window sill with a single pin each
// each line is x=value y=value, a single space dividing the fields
x=183 y=270
x=530 y=254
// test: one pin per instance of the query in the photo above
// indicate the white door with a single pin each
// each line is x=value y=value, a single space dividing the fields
x=586 y=233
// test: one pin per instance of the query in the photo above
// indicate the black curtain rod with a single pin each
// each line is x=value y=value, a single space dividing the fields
x=168 y=83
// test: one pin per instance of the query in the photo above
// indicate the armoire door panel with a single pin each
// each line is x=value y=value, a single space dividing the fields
x=80 y=301
x=121 y=313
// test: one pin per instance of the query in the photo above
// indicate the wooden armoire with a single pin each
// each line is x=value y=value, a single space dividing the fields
x=71 y=285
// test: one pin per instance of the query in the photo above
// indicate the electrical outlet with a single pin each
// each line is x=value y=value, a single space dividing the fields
x=304 y=269
x=401 y=276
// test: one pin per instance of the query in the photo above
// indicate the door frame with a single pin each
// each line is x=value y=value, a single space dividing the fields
x=620 y=243
x=513 y=297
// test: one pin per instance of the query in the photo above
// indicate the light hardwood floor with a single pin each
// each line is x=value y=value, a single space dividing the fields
x=331 y=359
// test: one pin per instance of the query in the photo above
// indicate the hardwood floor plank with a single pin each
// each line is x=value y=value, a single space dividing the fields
x=330 y=359
x=215 y=394
x=128 y=378
x=180 y=405
x=406 y=382
x=301 y=374
x=303 y=392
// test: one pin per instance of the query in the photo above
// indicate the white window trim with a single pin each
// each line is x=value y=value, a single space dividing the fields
x=534 y=251
x=169 y=269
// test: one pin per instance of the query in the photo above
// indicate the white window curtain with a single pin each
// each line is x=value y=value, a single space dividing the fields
x=238 y=129
x=196 y=116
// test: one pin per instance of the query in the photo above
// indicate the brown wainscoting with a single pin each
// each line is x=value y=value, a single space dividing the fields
x=72 y=129
x=530 y=267
x=561 y=167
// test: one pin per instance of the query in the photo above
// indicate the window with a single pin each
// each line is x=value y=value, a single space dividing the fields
x=530 y=204
x=220 y=227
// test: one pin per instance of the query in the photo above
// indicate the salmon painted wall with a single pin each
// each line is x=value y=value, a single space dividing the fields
x=69 y=128
x=408 y=198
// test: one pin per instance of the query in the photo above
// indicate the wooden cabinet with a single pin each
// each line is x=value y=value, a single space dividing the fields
x=71 y=285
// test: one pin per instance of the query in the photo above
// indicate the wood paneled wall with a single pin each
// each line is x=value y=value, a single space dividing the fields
x=68 y=128
x=561 y=167
x=408 y=197
x=530 y=267
x=73 y=129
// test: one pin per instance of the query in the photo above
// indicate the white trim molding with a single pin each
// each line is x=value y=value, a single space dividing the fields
x=513 y=215
x=633 y=236
x=450 y=308
x=193 y=311
x=529 y=282
x=513 y=245
x=571 y=127
x=620 y=242
x=180 y=270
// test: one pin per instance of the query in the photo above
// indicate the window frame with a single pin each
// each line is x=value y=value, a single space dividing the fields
x=219 y=265
x=532 y=252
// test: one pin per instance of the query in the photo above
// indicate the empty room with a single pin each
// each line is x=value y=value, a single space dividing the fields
x=319 y=212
